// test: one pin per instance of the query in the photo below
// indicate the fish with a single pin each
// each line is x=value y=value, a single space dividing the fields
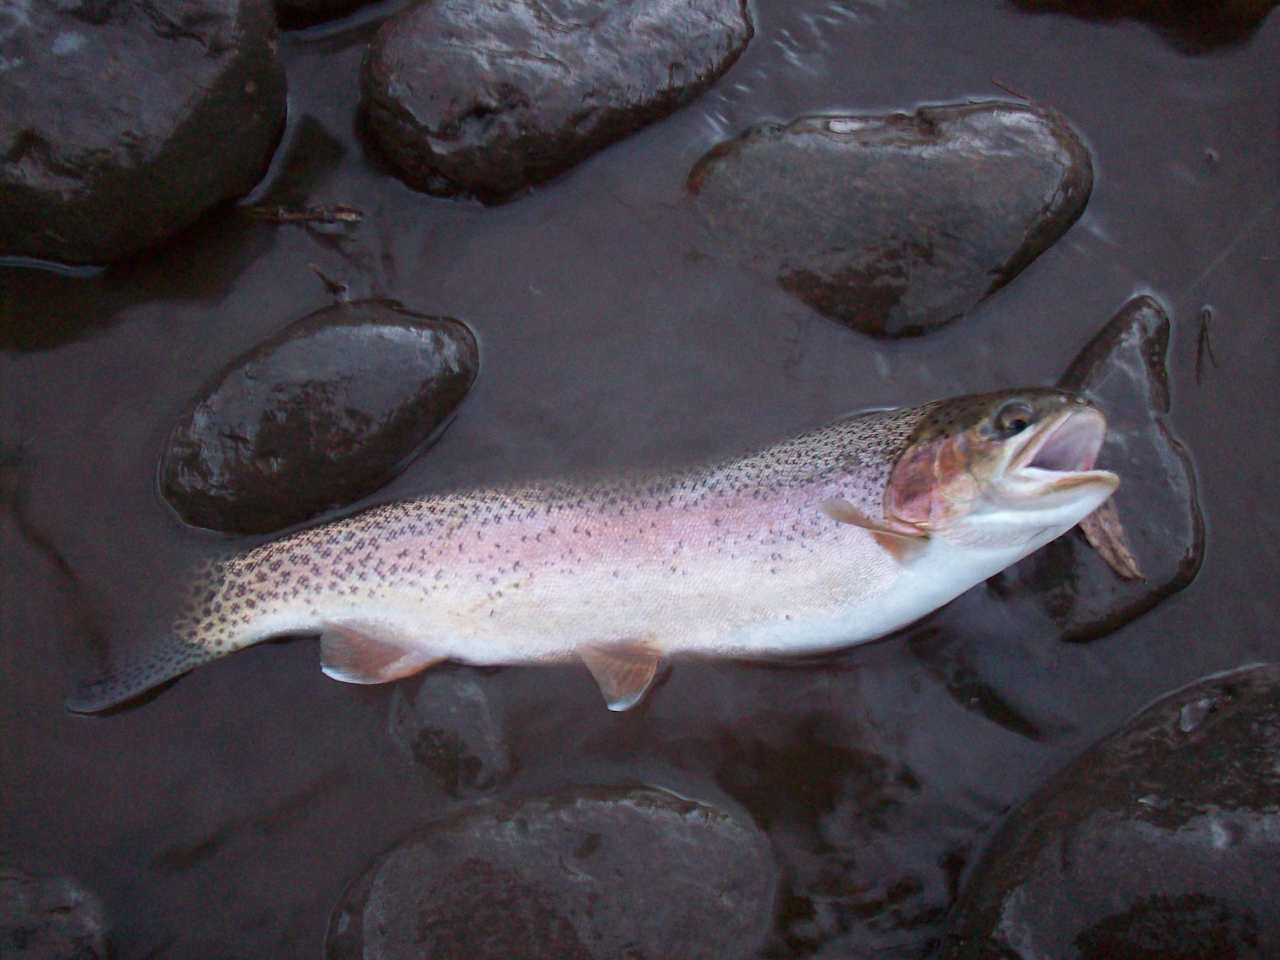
x=837 y=536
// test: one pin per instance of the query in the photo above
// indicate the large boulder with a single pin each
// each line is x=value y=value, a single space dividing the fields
x=319 y=416
x=1162 y=841
x=595 y=873
x=486 y=97
x=122 y=121
x=895 y=224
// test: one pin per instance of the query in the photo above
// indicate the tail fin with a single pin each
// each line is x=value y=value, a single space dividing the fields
x=134 y=676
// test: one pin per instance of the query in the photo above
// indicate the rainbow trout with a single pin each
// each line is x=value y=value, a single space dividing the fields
x=834 y=537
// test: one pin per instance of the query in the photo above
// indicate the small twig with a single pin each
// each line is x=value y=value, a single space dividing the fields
x=1010 y=90
x=337 y=213
x=339 y=291
x=1204 y=344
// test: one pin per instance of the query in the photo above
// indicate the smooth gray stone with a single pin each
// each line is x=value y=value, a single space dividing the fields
x=898 y=223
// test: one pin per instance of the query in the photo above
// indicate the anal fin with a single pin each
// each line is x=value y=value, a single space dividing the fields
x=367 y=652
x=624 y=671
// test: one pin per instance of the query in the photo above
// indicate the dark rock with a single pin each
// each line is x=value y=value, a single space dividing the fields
x=895 y=224
x=49 y=918
x=1123 y=370
x=1193 y=26
x=451 y=730
x=1162 y=841
x=293 y=14
x=592 y=874
x=319 y=416
x=489 y=96
x=98 y=160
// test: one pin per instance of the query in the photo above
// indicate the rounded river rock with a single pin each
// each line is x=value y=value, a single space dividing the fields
x=1122 y=369
x=1162 y=841
x=1194 y=26
x=895 y=224
x=489 y=96
x=452 y=731
x=321 y=415
x=597 y=874
x=98 y=160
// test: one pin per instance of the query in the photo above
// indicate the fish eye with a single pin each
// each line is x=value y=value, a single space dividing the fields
x=1014 y=417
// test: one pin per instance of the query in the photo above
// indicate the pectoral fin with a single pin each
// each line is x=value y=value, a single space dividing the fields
x=903 y=547
x=370 y=653
x=624 y=671
x=1105 y=533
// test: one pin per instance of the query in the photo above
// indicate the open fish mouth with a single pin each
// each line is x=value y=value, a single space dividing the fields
x=1061 y=454
x=1067 y=443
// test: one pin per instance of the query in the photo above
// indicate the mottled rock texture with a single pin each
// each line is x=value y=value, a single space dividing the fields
x=1122 y=370
x=1191 y=25
x=122 y=121
x=49 y=918
x=1162 y=841
x=895 y=224
x=319 y=416
x=595 y=874
x=486 y=97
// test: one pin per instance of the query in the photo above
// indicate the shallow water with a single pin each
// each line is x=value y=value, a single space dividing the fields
x=225 y=817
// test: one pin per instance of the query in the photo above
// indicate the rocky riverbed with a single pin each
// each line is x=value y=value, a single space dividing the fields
x=219 y=318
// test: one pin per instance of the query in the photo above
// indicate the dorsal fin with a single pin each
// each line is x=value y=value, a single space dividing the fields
x=369 y=652
x=624 y=671
x=903 y=547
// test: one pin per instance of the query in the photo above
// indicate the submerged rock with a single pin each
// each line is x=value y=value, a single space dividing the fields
x=49 y=918
x=293 y=14
x=98 y=160
x=451 y=731
x=1068 y=582
x=1161 y=841
x=1191 y=25
x=319 y=416
x=600 y=873
x=489 y=96
x=895 y=224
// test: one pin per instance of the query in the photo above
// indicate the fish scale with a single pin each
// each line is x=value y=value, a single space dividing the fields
x=731 y=558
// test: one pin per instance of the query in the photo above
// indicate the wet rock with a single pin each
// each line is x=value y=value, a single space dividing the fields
x=49 y=918
x=1068 y=582
x=293 y=14
x=1192 y=25
x=97 y=159
x=451 y=731
x=319 y=416
x=1161 y=841
x=489 y=96
x=895 y=224
x=596 y=873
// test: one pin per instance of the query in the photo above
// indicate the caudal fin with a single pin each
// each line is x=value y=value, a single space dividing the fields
x=135 y=675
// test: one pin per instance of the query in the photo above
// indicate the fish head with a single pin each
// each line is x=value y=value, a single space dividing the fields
x=1008 y=469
